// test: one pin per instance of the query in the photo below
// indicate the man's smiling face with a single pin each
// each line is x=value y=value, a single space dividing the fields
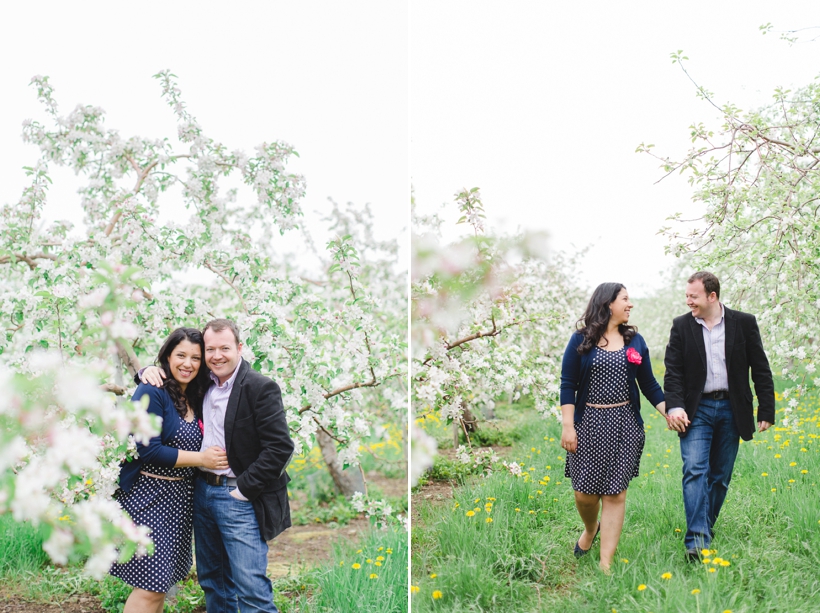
x=222 y=353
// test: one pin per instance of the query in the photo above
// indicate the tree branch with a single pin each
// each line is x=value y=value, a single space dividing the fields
x=224 y=277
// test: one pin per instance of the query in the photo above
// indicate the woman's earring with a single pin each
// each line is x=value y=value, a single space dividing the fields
x=610 y=312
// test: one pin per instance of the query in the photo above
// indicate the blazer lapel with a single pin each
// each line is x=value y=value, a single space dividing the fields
x=233 y=402
x=697 y=333
x=729 y=338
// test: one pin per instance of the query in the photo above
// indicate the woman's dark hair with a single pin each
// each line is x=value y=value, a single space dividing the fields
x=195 y=390
x=596 y=318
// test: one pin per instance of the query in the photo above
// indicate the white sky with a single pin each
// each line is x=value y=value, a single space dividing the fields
x=542 y=104
x=330 y=78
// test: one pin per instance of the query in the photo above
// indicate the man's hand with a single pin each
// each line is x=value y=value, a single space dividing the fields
x=762 y=426
x=677 y=420
x=153 y=376
x=235 y=493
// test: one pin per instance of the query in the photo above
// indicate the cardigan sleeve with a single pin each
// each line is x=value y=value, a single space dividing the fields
x=570 y=371
x=646 y=378
x=159 y=404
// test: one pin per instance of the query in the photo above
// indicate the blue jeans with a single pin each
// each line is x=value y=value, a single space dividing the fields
x=231 y=556
x=708 y=450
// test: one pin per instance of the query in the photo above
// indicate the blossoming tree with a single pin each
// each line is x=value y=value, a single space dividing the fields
x=757 y=177
x=102 y=297
x=491 y=317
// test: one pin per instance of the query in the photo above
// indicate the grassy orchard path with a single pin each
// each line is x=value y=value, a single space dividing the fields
x=504 y=543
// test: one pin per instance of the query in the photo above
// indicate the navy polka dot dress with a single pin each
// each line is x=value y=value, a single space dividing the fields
x=610 y=441
x=167 y=508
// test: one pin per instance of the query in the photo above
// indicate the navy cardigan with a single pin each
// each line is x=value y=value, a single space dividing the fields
x=156 y=451
x=576 y=369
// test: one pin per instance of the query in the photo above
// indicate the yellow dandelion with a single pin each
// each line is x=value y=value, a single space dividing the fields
x=489 y=520
x=707 y=560
x=764 y=474
x=414 y=589
x=532 y=512
x=705 y=552
x=641 y=587
x=624 y=560
x=382 y=548
x=374 y=576
x=677 y=529
x=725 y=563
x=517 y=510
x=726 y=611
x=804 y=472
x=358 y=551
x=437 y=594
x=777 y=455
x=792 y=463
x=356 y=566
x=369 y=561
x=791 y=480
x=456 y=506
x=342 y=563
x=470 y=513
x=377 y=564
x=491 y=499
x=712 y=569
x=696 y=591
x=433 y=575
x=477 y=500
x=666 y=576
x=774 y=489
x=389 y=551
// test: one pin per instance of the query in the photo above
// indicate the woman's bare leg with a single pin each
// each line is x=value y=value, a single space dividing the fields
x=588 y=506
x=143 y=601
x=612 y=522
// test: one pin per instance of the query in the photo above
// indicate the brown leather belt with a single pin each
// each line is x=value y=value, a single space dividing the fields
x=213 y=479
x=142 y=472
x=718 y=395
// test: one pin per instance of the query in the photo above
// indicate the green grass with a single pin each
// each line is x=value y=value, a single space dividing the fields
x=523 y=560
x=21 y=548
x=359 y=581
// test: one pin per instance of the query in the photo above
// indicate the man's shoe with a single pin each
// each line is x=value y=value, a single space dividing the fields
x=693 y=555
x=582 y=552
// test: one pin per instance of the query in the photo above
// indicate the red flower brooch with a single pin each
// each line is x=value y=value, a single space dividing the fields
x=633 y=356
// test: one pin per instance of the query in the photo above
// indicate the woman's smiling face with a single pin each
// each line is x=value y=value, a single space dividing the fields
x=184 y=362
x=620 y=307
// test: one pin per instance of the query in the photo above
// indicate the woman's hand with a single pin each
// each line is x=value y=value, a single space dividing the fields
x=569 y=439
x=214 y=458
x=153 y=376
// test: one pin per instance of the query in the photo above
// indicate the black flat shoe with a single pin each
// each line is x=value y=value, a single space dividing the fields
x=693 y=555
x=582 y=552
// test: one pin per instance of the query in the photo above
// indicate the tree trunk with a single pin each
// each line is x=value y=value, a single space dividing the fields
x=348 y=481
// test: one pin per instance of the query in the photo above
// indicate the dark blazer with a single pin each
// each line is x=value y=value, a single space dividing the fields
x=686 y=369
x=258 y=444
x=576 y=369
x=156 y=451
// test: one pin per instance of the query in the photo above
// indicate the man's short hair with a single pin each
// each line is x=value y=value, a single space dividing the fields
x=217 y=325
x=710 y=281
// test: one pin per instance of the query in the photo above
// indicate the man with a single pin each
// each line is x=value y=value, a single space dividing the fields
x=708 y=358
x=241 y=506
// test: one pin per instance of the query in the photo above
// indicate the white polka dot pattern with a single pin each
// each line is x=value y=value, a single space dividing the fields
x=167 y=508
x=610 y=441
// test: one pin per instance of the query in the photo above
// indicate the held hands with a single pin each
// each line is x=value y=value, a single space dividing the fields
x=677 y=420
x=215 y=458
x=762 y=426
x=569 y=439
x=154 y=376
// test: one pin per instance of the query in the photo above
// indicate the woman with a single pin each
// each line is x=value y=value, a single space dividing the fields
x=600 y=405
x=157 y=488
